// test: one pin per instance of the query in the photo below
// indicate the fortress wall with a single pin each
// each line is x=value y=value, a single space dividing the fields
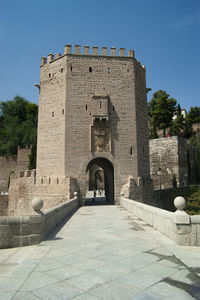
x=12 y=164
x=3 y=205
x=82 y=76
x=142 y=121
x=51 y=119
x=23 y=159
x=169 y=154
x=7 y=165
x=118 y=84
x=24 y=187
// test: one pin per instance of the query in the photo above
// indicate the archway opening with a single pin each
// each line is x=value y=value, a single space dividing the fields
x=100 y=182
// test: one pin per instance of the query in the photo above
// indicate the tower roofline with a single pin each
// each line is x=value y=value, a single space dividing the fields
x=95 y=53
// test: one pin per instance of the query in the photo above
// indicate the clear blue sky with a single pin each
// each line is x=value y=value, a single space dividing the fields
x=165 y=35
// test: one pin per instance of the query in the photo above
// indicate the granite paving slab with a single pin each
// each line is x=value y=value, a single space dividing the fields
x=102 y=252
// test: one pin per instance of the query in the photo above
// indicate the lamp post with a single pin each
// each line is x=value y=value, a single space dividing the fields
x=159 y=173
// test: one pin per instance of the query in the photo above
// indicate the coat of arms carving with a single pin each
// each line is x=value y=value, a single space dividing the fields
x=100 y=139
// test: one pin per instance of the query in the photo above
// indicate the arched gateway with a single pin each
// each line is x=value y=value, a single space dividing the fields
x=105 y=180
x=92 y=110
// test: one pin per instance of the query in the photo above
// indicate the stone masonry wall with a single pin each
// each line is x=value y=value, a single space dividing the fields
x=23 y=159
x=24 y=187
x=51 y=120
x=3 y=205
x=7 y=165
x=67 y=86
x=170 y=155
x=12 y=164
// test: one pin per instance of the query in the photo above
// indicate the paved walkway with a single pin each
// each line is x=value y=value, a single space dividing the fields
x=102 y=252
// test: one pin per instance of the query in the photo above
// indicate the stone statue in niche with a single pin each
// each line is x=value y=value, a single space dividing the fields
x=100 y=139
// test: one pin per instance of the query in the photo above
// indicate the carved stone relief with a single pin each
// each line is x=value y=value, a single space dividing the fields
x=100 y=139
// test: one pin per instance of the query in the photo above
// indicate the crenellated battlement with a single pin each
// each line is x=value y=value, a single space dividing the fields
x=86 y=52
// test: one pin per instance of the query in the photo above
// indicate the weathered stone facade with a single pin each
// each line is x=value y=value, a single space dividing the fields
x=172 y=162
x=92 y=110
x=3 y=205
x=7 y=165
x=24 y=187
x=92 y=106
x=14 y=163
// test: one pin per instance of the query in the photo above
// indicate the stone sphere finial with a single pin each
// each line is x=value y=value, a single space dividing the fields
x=37 y=204
x=179 y=203
x=76 y=194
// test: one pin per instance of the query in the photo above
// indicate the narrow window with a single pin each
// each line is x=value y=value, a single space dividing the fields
x=86 y=107
x=63 y=111
x=49 y=75
x=90 y=69
x=57 y=181
x=52 y=113
x=113 y=108
x=49 y=180
x=42 y=181
x=108 y=70
x=61 y=70
x=131 y=150
x=128 y=70
x=71 y=68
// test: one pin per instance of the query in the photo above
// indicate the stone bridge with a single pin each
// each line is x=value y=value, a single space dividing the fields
x=101 y=252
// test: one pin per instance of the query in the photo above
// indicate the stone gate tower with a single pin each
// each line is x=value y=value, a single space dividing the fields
x=93 y=110
x=92 y=114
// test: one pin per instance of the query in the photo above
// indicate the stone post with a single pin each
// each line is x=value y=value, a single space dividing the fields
x=43 y=61
x=131 y=53
x=122 y=52
x=58 y=55
x=67 y=49
x=77 y=49
x=181 y=217
x=50 y=57
x=104 y=51
x=95 y=50
x=86 y=50
x=113 y=51
x=37 y=204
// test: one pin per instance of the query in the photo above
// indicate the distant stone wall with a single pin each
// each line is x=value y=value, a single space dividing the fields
x=7 y=165
x=3 y=205
x=196 y=126
x=169 y=158
x=13 y=163
x=140 y=190
x=23 y=159
x=24 y=187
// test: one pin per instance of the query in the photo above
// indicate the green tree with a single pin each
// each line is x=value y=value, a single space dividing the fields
x=195 y=141
x=18 y=125
x=192 y=117
x=178 y=125
x=32 y=156
x=194 y=114
x=161 y=109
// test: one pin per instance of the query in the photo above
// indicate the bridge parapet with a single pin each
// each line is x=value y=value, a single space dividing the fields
x=183 y=229
x=17 y=231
